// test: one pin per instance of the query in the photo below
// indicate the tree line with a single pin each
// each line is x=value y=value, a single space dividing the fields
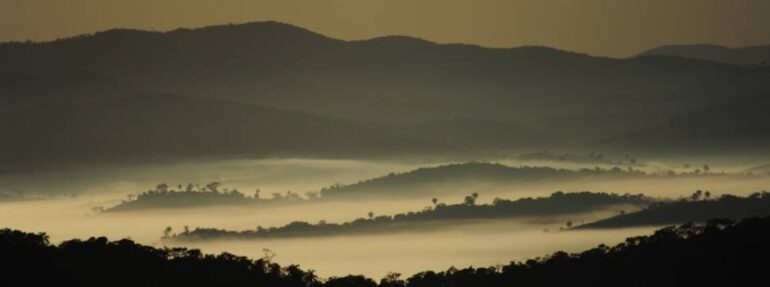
x=558 y=203
x=191 y=195
x=718 y=253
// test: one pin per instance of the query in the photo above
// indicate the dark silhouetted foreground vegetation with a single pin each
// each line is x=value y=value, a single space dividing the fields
x=558 y=203
x=720 y=253
x=698 y=208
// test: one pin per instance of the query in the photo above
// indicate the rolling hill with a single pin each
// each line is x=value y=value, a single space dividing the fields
x=696 y=211
x=735 y=56
x=446 y=180
x=386 y=79
x=737 y=123
x=165 y=126
x=380 y=93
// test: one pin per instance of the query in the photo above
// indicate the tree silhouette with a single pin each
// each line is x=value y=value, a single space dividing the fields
x=696 y=195
x=730 y=250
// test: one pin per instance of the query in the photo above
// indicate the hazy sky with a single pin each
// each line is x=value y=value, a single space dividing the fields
x=602 y=27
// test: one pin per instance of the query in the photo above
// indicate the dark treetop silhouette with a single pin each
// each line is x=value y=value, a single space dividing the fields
x=729 y=253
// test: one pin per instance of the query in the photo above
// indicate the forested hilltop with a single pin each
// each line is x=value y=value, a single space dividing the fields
x=672 y=256
x=434 y=181
x=442 y=179
x=437 y=179
x=699 y=207
x=556 y=204
x=194 y=195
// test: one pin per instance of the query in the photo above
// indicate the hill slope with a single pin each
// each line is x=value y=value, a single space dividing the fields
x=170 y=126
x=735 y=56
x=729 y=207
x=739 y=122
x=446 y=180
x=387 y=79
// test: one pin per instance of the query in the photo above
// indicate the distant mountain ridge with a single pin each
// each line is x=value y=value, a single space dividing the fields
x=283 y=66
x=465 y=96
x=736 y=56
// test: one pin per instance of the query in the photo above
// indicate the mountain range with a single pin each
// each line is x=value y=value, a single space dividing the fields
x=273 y=88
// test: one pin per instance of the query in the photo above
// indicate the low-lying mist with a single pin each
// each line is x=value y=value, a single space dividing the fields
x=63 y=200
x=481 y=244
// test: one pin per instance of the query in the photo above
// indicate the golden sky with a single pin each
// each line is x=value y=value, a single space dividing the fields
x=616 y=28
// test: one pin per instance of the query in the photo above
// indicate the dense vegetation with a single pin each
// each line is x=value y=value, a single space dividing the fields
x=423 y=182
x=698 y=208
x=162 y=196
x=730 y=253
x=558 y=203
x=432 y=180
x=443 y=180
x=591 y=158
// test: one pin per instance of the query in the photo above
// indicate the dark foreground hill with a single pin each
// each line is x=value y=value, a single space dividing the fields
x=720 y=253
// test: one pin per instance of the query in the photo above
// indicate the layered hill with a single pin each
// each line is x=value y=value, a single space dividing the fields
x=694 y=211
x=446 y=180
x=165 y=126
x=738 y=122
x=737 y=56
x=394 y=79
x=468 y=97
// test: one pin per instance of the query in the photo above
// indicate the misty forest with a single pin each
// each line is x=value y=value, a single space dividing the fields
x=269 y=153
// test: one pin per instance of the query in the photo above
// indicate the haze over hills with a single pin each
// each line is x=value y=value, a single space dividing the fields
x=739 y=122
x=384 y=79
x=737 y=56
x=171 y=126
x=387 y=92
x=384 y=139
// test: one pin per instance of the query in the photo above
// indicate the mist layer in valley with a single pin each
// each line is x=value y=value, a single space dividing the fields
x=443 y=152
x=61 y=203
